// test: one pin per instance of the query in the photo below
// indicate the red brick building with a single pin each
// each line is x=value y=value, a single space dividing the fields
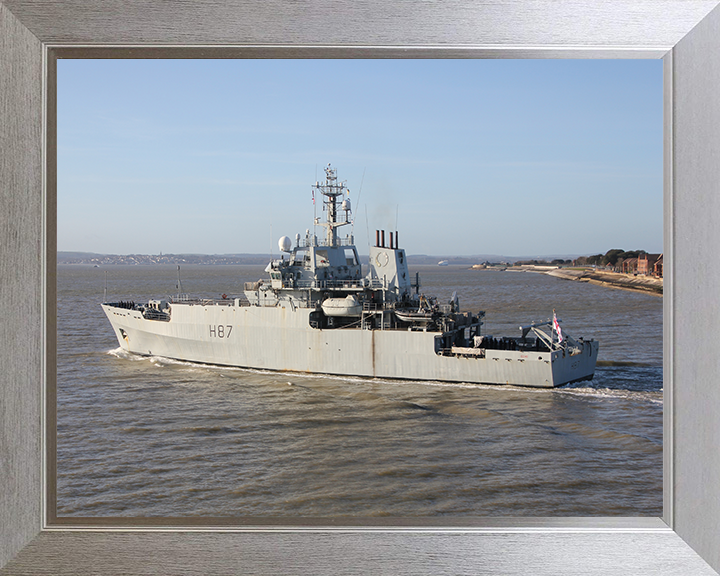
x=630 y=265
x=646 y=263
x=658 y=267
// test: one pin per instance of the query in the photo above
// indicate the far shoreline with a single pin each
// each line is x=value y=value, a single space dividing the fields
x=634 y=283
x=631 y=282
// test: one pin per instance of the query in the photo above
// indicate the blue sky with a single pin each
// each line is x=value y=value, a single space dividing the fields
x=507 y=157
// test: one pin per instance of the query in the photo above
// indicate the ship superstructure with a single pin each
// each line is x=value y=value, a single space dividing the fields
x=317 y=312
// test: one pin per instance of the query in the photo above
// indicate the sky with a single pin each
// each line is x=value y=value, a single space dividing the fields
x=462 y=157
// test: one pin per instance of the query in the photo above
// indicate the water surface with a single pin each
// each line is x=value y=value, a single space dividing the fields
x=141 y=436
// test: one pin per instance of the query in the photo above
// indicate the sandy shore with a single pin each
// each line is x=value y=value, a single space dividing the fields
x=639 y=283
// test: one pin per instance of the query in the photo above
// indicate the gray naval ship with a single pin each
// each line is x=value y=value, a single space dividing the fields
x=318 y=313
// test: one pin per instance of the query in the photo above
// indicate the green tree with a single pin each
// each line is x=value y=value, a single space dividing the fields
x=611 y=256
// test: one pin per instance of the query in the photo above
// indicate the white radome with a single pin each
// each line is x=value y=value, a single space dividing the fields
x=285 y=244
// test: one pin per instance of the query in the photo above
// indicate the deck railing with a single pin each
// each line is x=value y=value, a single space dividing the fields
x=350 y=284
x=314 y=241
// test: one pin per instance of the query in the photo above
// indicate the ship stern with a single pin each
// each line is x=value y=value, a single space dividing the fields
x=570 y=367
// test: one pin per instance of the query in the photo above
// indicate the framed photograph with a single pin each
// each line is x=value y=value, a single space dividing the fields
x=684 y=539
x=356 y=418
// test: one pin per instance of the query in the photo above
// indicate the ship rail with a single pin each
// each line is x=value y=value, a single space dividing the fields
x=350 y=284
x=181 y=298
x=359 y=283
x=314 y=241
x=200 y=301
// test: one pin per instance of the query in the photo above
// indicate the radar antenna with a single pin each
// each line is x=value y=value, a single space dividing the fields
x=334 y=205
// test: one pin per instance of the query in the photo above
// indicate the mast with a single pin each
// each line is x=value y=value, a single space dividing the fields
x=334 y=205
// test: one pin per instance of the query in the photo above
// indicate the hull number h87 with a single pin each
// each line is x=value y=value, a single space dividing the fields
x=220 y=331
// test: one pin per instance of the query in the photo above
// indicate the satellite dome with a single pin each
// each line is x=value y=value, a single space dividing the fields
x=285 y=244
x=346 y=204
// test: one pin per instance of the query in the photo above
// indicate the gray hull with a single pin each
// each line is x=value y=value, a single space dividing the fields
x=281 y=338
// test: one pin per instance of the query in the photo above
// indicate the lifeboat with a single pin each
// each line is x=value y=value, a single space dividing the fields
x=348 y=306
x=418 y=316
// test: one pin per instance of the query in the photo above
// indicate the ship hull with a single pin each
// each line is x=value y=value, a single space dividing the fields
x=281 y=338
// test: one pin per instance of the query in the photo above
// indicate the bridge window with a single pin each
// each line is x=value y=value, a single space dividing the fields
x=350 y=257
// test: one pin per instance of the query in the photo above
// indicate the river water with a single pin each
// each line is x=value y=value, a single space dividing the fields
x=144 y=437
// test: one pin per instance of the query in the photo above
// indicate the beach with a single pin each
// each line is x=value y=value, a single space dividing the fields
x=638 y=283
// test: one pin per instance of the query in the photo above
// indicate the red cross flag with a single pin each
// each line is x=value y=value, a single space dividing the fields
x=556 y=326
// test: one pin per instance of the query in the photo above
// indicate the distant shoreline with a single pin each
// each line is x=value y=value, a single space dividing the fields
x=87 y=259
x=92 y=258
x=639 y=283
x=635 y=283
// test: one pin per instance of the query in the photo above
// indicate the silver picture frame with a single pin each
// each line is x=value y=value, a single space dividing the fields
x=684 y=33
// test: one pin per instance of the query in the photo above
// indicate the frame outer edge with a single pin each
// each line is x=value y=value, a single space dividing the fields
x=21 y=280
x=375 y=22
x=696 y=396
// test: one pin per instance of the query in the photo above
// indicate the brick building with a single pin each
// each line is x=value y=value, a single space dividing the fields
x=658 y=267
x=630 y=265
x=646 y=263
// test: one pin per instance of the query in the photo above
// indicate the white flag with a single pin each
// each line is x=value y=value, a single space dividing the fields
x=556 y=326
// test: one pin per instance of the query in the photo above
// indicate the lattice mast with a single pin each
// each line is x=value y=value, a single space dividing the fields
x=335 y=204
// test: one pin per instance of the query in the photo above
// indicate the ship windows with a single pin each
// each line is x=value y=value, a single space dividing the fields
x=350 y=258
x=300 y=256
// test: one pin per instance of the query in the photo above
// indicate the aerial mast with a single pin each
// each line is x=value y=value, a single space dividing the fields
x=332 y=190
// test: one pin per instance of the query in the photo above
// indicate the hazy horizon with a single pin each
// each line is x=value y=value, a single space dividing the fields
x=462 y=157
x=362 y=254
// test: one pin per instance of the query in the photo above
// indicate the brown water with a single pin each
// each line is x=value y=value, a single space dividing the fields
x=144 y=436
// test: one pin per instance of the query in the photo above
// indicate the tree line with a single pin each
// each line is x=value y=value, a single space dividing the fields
x=557 y=262
x=610 y=258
